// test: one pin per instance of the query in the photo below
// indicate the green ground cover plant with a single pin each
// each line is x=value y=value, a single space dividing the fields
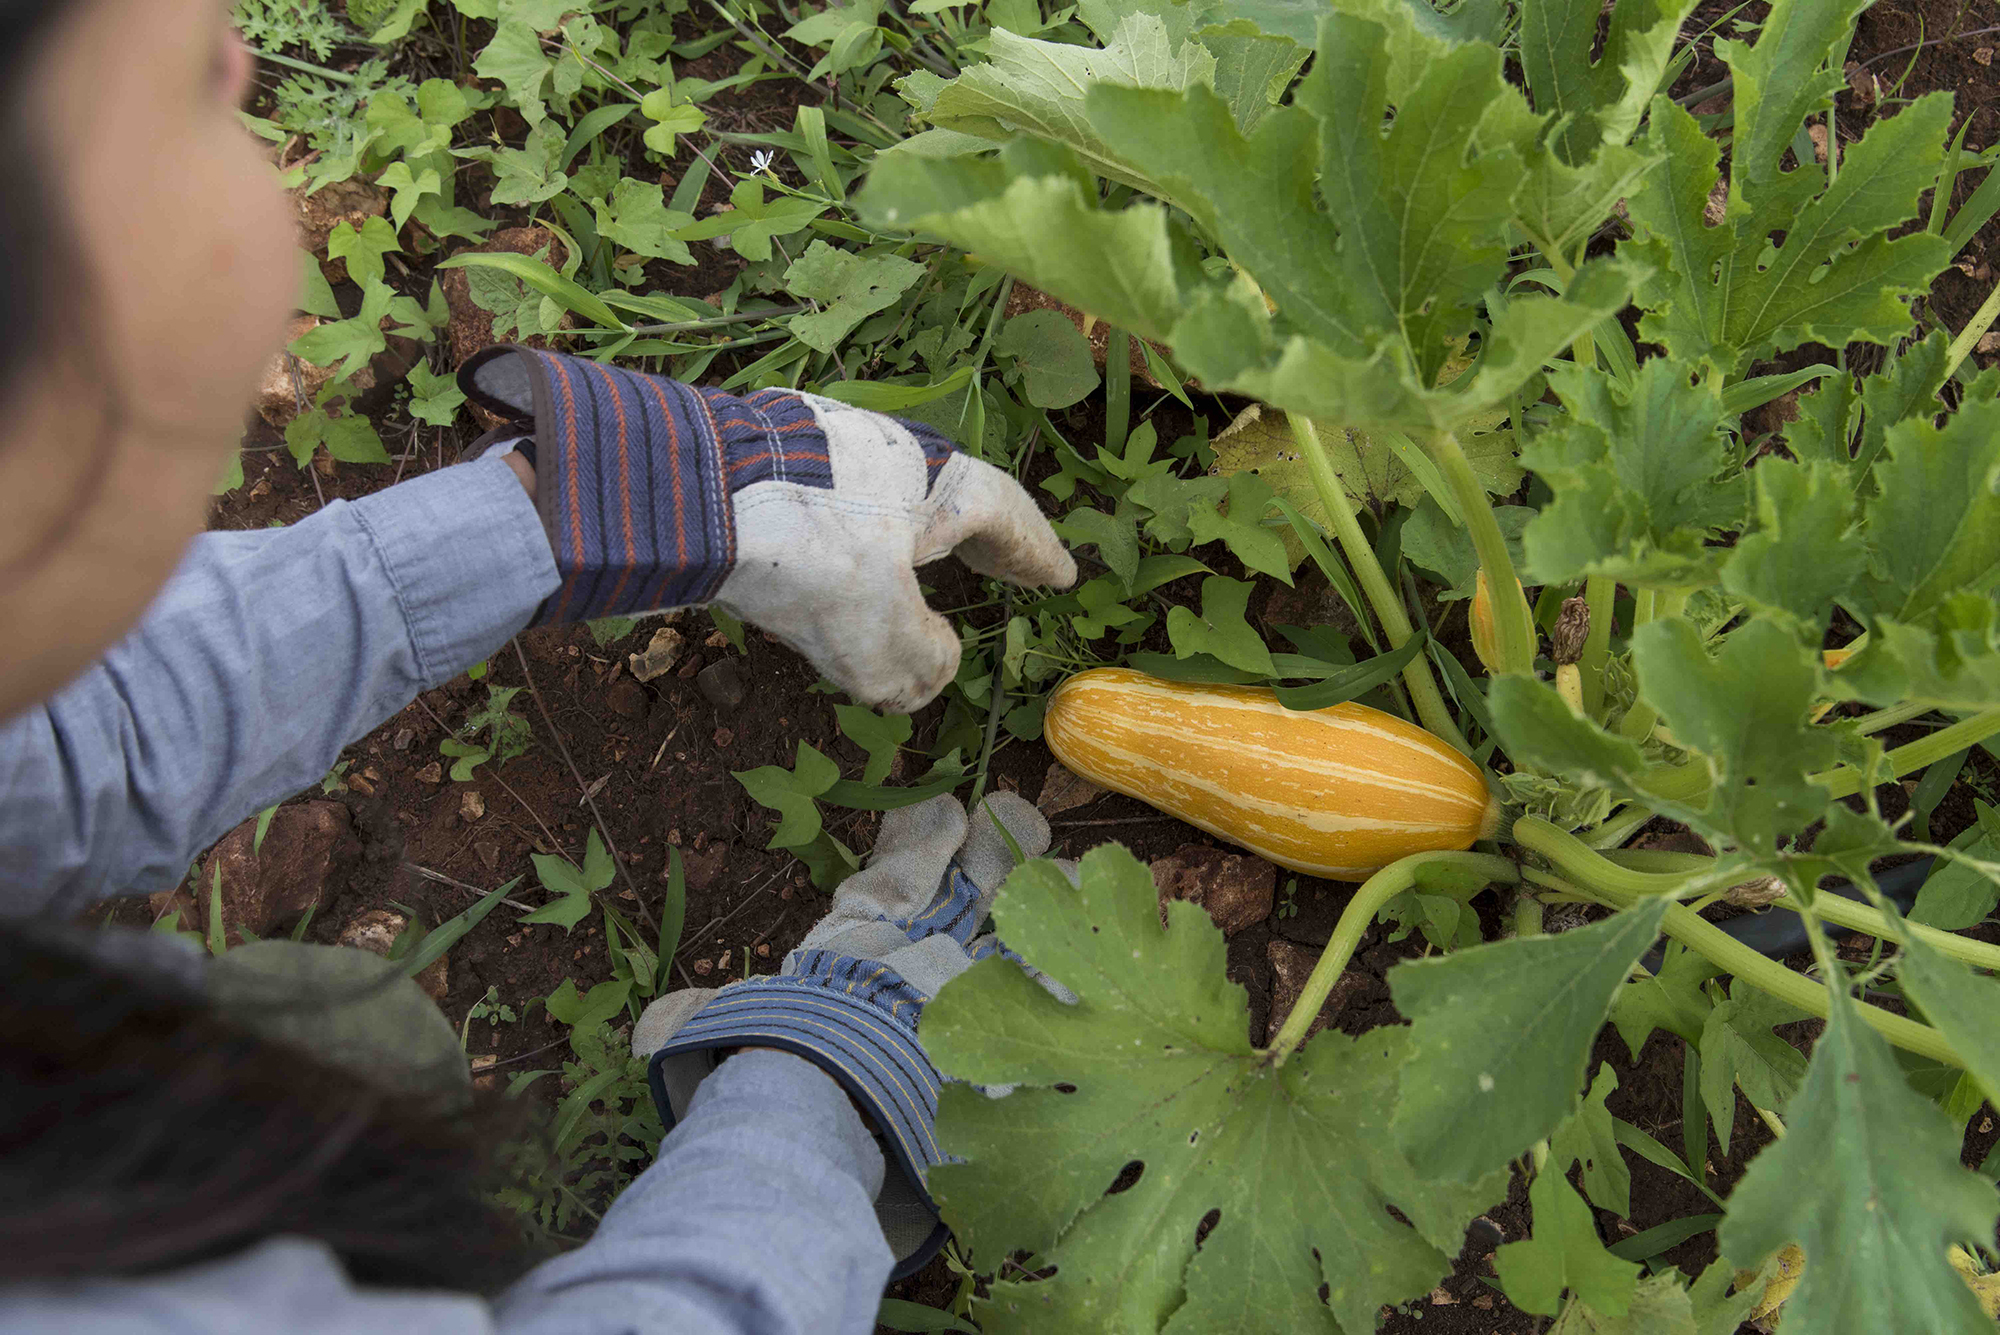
x=1484 y=301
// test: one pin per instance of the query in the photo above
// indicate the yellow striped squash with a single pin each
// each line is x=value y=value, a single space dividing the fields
x=1338 y=792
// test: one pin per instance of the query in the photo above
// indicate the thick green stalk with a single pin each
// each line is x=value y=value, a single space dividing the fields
x=1620 y=827
x=1890 y=717
x=1431 y=711
x=1513 y=623
x=1845 y=781
x=1368 y=900
x=1975 y=329
x=1601 y=594
x=1625 y=873
x=1768 y=976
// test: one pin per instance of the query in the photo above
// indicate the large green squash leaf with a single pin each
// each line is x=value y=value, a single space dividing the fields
x=1867 y=1182
x=1728 y=294
x=1153 y=1065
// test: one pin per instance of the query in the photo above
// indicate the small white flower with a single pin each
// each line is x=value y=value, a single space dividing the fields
x=760 y=159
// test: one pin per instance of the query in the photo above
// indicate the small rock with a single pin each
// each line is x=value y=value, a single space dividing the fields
x=484 y=1078
x=307 y=854
x=724 y=737
x=628 y=699
x=703 y=866
x=1235 y=888
x=763 y=950
x=1984 y=55
x=404 y=737
x=1062 y=790
x=471 y=805
x=376 y=931
x=703 y=967
x=659 y=656
x=721 y=682
x=1291 y=965
x=1989 y=342
x=716 y=641
x=489 y=854
x=1817 y=133
x=431 y=773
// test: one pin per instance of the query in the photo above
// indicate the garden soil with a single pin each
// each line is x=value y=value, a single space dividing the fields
x=656 y=759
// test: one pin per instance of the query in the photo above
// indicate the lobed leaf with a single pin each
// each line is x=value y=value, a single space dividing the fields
x=1293 y=1159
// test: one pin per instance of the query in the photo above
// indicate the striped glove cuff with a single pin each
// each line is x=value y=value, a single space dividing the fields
x=635 y=472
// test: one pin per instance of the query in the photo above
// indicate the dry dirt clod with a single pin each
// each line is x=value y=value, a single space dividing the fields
x=404 y=737
x=721 y=684
x=659 y=655
x=307 y=853
x=1988 y=343
x=431 y=773
x=1063 y=790
x=289 y=381
x=472 y=327
x=471 y=804
x=724 y=738
x=1235 y=888
x=376 y=931
x=703 y=967
x=1291 y=965
x=489 y=854
x=352 y=202
x=628 y=699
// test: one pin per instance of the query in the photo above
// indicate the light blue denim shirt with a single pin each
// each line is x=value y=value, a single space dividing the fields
x=267 y=654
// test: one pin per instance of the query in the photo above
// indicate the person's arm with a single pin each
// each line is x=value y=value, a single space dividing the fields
x=265 y=655
x=758 y=1218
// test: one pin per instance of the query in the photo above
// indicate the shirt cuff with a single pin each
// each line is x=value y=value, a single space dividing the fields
x=466 y=553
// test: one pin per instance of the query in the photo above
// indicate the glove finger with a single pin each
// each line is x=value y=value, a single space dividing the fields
x=986 y=858
x=994 y=526
x=891 y=651
x=902 y=875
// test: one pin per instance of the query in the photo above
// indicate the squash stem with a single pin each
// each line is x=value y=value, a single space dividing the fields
x=1513 y=623
x=1583 y=864
x=1845 y=781
x=1766 y=975
x=1431 y=710
x=1601 y=594
x=1368 y=901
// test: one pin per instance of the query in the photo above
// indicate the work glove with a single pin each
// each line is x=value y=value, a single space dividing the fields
x=802 y=515
x=849 y=998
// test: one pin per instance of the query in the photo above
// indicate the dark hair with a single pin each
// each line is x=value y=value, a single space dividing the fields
x=27 y=291
x=140 y=1131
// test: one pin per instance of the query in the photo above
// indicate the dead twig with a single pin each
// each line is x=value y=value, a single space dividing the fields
x=456 y=884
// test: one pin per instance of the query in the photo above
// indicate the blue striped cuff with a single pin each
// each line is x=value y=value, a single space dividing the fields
x=844 y=1030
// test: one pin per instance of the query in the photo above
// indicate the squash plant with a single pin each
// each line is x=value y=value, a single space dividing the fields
x=1396 y=251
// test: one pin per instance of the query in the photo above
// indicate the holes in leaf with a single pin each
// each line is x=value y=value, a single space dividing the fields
x=1065 y=1089
x=1128 y=1177
x=1194 y=1135
x=1206 y=1227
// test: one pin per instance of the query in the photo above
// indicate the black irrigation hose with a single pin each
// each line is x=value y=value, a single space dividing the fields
x=1780 y=934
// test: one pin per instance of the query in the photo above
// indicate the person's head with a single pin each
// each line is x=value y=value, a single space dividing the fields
x=148 y=261
x=141 y=1132
x=147 y=264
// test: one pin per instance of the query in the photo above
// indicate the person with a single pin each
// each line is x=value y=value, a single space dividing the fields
x=171 y=1159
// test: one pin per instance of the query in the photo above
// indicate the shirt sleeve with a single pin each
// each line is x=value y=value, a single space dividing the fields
x=757 y=1219
x=264 y=656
